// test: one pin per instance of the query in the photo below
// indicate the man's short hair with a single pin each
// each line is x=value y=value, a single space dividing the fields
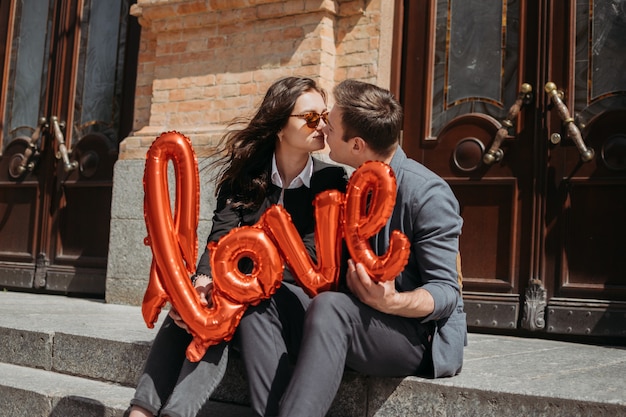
x=369 y=112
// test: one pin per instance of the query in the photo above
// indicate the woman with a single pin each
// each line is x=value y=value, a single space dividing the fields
x=267 y=162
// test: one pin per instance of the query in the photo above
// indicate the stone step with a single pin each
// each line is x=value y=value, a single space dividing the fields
x=27 y=391
x=88 y=339
x=31 y=392
x=79 y=337
x=67 y=356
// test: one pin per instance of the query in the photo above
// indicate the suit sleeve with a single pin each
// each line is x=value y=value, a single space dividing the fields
x=225 y=218
x=436 y=246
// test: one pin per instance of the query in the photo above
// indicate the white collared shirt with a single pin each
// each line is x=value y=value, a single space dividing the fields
x=303 y=178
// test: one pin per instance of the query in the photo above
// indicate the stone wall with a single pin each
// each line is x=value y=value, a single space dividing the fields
x=129 y=258
x=203 y=63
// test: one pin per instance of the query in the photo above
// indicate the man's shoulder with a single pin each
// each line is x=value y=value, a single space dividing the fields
x=415 y=182
x=411 y=171
x=327 y=175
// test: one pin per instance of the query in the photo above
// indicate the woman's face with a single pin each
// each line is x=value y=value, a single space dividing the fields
x=297 y=136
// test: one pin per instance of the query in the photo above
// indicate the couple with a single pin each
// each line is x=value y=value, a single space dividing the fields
x=294 y=347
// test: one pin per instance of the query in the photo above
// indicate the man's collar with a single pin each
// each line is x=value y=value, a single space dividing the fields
x=397 y=159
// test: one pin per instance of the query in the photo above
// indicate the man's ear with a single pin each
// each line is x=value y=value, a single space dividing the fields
x=358 y=144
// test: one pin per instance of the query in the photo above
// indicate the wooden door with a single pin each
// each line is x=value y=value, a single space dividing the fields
x=521 y=106
x=67 y=65
x=585 y=210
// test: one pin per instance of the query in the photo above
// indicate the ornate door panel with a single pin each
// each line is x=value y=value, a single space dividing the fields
x=585 y=211
x=542 y=229
x=62 y=121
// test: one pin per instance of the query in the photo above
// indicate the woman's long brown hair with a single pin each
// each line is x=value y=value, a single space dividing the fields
x=245 y=154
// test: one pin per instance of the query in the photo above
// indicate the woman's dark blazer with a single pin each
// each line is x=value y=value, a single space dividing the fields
x=297 y=201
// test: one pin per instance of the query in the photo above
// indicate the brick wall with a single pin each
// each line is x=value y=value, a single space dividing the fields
x=202 y=63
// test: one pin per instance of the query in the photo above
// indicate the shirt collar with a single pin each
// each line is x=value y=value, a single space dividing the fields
x=303 y=178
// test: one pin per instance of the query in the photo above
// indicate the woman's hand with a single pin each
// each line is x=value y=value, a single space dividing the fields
x=204 y=288
x=177 y=319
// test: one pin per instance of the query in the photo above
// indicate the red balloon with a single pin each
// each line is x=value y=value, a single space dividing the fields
x=312 y=278
x=154 y=298
x=360 y=214
x=173 y=242
x=245 y=242
x=221 y=322
x=233 y=290
x=370 y=199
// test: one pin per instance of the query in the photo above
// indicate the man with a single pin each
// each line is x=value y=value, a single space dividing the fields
x=414 y=325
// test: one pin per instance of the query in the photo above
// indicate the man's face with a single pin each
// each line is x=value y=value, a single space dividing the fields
x=340 y=150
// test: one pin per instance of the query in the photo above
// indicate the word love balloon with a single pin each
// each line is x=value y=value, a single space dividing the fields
x=272 y=241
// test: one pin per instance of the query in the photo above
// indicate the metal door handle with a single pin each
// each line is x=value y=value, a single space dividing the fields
x=586 y=154
x=20 y=163
x=494 y=153
x=63 y=152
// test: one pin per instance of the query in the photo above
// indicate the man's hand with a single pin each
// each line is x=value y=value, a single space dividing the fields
x=204 y=288
x=378 y=295
x=383 y=296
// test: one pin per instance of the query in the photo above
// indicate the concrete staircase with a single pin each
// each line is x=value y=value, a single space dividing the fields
x=68 y=357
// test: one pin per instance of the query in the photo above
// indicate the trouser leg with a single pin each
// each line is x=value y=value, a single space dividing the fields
x=269 y=334
x=339 y=330
x=162 y=367
x=196 y=382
